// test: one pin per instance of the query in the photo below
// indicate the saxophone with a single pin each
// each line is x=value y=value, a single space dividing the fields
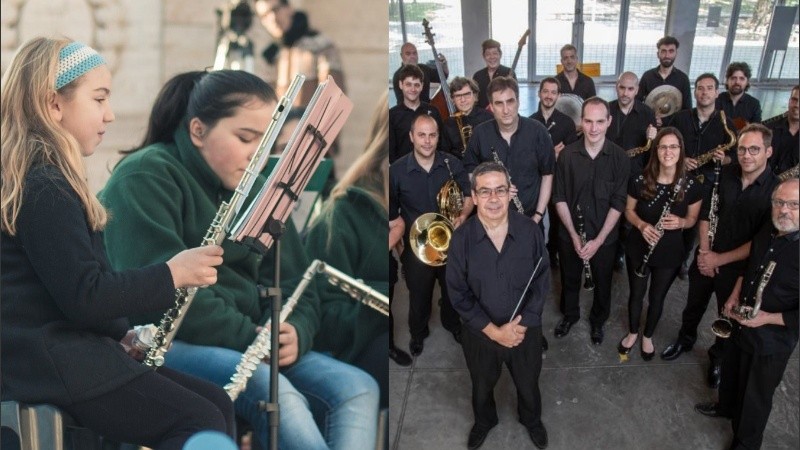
x=641 y=272
x=706 y=157
x=588 y=282
x=515 y=198
x=636 y=151
x=713 y=213
x=464 y=130
x=794 y=172
x=168 y=327
x=260 y=348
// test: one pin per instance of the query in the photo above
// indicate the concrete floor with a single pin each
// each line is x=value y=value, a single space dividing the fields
x=590 y=400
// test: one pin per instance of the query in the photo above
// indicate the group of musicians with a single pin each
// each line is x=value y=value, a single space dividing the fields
x=710 y=177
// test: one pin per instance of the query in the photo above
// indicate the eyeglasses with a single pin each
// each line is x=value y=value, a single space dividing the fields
x=673 y=147
x=791 y=204
x=501 y=191
x=752 y=150
x=462 y=96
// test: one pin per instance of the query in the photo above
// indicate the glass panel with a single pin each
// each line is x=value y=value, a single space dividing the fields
x=791 y=70
x=646 y=25
x=713 y=21
x=751 y=33
x=509 y=22
x=553 y=30
x=395 y=38
x=601 y=34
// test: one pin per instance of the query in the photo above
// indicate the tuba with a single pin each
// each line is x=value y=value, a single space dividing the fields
x=464 y=130
x=430 y=233
x=723 y=326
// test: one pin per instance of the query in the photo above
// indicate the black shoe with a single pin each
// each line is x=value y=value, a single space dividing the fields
x=477 y=436
x=562 y=329
x=648 y=356
x=714 y=375
x=710 y=409
x=683 y=273
x=554 y=261
x=399 y=356
x=457 y=335
x=416 y=346
x=545 y=345
x=674 y=350
x=622 y=349
x=538 y=436
x=619 y=263
x=597 y=335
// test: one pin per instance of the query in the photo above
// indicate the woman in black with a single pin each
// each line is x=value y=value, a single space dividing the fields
x=664 y=180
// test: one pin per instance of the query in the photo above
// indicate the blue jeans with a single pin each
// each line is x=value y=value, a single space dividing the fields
x=324 y=403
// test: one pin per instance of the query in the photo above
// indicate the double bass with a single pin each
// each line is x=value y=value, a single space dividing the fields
x=441 y=100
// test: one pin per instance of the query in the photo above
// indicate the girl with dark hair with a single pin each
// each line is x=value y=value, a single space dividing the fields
x=203 y=130
x=648 y=195
x=65 y=337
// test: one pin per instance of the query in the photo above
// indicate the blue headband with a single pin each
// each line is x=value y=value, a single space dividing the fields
x=75 y=60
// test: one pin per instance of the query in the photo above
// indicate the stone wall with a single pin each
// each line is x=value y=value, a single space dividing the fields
x=148 y=41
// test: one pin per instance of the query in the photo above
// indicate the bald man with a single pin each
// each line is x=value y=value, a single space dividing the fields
x=633 y=122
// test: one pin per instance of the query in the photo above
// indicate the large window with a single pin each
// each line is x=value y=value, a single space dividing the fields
x=601 y=35
x=509 y=22
x=646 y=23
x=553 y=30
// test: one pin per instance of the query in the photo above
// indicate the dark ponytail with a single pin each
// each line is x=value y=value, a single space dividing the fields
x=209 y=96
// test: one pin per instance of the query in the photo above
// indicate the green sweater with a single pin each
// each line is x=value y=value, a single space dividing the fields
x=162 y=200
x=352 y=235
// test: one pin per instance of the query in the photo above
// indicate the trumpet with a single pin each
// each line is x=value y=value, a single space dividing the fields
x=723 y=326
x=464 y=130
x=588 y=282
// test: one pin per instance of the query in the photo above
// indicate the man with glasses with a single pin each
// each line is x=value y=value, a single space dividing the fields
x=498 y=278
x=414 y=181
x=591 y=175
x=744 y=193
x=464 y=92
x=666 y=73
x=759 y=348
x=741 y=107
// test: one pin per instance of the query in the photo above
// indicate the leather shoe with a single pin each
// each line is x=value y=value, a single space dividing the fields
x=674 y=350
x=622 y=349
x=399 y=356
x=416 y=346
x=714 y=376
x=545 y=344
x=477 y=436
x=684 y=272
x=597 y=335
x=619 y=264
x=562 y=329
x=710 y=409
x=538 y=436
x=647 y=356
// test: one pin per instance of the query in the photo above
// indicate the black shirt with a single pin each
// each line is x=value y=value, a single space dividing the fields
x=630 y=130
x=482 y=78
x=597 y=185
x=584 y=85
x=747 y=109
x=485 y=285
x=559 y=125
x=400 y=119
x=780 y=295
x=741 y=212
x=429 y=74
x=785 y=147
x=649 y=210
x=412 y=190
x=452 y=135
x=700 y=138
x=529 y=157
x=652 y=79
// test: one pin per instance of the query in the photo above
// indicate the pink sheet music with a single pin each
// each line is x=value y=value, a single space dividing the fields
x=325 y=116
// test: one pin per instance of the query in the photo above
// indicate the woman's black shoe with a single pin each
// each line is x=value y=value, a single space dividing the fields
x=622 y=349
x=648 y=356
x=399 y=356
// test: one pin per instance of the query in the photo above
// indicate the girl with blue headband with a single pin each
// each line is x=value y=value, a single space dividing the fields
x=65 y=337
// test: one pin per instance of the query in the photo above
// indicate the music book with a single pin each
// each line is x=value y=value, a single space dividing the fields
x=324 y=118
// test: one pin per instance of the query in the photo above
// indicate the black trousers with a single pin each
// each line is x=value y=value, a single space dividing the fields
x=373 y=361
x=160 y=409
x=660 y=281
x=420 y=279
x=552 y=234
x=485 y=359
x=700 y=289
x=745 y=393
x=571 y=273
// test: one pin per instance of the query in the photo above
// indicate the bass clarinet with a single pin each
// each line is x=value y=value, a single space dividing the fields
x=641 y=272
x=515 y=198
x=215 y=234
x=259 y=349
x=588 y=282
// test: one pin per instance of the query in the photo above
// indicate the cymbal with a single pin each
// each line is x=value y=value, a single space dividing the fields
x=664 y=100
x=570 y=104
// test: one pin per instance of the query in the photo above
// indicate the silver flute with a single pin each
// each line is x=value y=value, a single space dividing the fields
x=260 y=348
x=215 y=234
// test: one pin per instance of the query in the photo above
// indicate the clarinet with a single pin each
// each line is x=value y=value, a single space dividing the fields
x=515 y=198
x=641 y=272
x=713 y=216
x=259 y=349
x=588 y=282
x=215 y=234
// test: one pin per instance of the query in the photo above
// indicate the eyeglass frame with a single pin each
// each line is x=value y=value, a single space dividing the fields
x=487 y=192
x=793 y=205
x=753 y=150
